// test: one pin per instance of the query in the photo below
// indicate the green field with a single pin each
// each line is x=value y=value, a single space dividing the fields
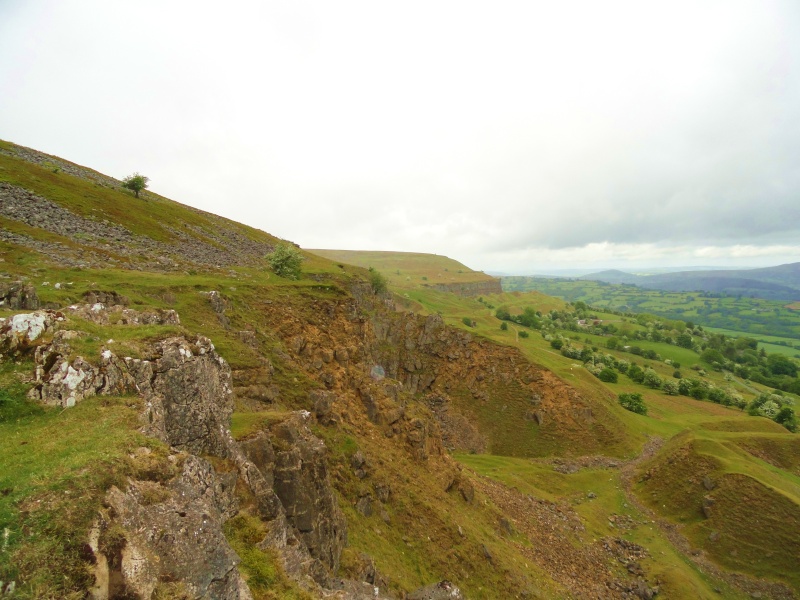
x=751 y=316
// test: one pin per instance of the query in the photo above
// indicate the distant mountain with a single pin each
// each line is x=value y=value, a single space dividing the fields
x=772 y=283
x=614 y=276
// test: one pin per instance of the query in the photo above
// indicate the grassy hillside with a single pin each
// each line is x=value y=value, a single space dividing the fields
x=753 y=452
x=408 y=270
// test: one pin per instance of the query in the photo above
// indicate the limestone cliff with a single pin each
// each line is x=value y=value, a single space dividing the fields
x=470 y=288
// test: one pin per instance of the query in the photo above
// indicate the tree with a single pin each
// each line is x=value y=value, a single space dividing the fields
x=285 y=261
x=633 y=402
x=608 y=375
x=136 y=183
x=378 y=282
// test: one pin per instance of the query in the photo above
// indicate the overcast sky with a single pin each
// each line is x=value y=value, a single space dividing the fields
x=512 y=136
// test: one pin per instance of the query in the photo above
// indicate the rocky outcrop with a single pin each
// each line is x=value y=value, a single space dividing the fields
x=293 y=482
x=18 y=295
x=22 y=332
x=118 y=314
x=470 y=289
x=60 y=380
x=153 y=535
x=188 y=393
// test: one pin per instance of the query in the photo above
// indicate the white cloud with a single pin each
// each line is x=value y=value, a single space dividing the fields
x=494 y=134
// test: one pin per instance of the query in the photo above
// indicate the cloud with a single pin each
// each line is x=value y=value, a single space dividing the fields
x=566 y=130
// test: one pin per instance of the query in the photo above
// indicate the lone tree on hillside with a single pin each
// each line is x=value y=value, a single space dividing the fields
x=285 y=261
x=136 y=183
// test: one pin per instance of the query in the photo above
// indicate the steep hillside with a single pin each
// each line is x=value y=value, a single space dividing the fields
x=178 y=421
x=409 y=270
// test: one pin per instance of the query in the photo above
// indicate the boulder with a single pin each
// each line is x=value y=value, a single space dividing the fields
x=19 y=333
x=18 y=296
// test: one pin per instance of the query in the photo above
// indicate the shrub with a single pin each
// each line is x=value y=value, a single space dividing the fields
x=467 y=321
x=718 y=396
x=285 y=261
x=635 y=373
x=787 y=418
x=608 y=375
x=504 y=326
x=523 y=334
x=651 y=379
x=671 y=387
x=378 y=282
x=633 y=403
x=557 y=343
x=502 y=314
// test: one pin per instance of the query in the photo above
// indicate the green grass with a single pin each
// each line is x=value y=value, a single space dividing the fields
x=755 y=515
x=56 y=466
x=679 y=578
x=408 y=270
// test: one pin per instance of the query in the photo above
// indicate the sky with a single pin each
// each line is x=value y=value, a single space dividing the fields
x=515 y=137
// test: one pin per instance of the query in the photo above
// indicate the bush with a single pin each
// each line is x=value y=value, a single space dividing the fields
x=608 y=375
x=671 y=388
x=467 y=321
x=523 y=334
x=651 y=379
x=718 y=396
x=378 y=282
x=633 y=403
x=503 y=326
x=285 y=261
x=635 y=373
x=787 y=418
x=557 y=344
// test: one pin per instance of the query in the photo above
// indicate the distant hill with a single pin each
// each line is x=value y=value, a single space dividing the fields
x=772 y=283
x=406 y=270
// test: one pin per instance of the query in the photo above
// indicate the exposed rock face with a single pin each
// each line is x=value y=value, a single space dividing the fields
x=18 y=296
x=117 y=314
x=153 y=534
x=301 y=482
x=60 y=381
x=187 y=388
x=189 y=395
x=218 y=304
x=292 y=462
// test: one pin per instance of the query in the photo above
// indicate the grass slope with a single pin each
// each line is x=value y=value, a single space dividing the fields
x=408 y=270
